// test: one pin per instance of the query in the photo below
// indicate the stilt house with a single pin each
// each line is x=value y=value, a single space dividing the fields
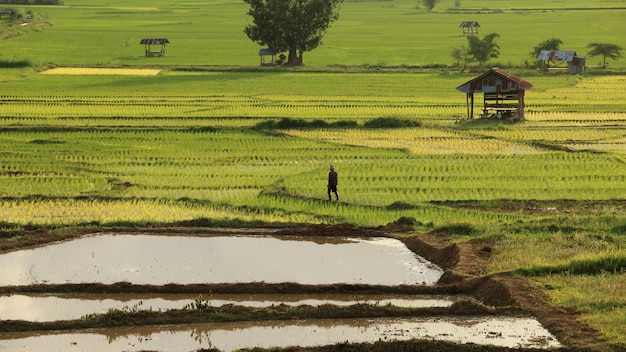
x=267 y=56
x=503 y=94
x=6 y=12
x=149 y=42
x=469 y=27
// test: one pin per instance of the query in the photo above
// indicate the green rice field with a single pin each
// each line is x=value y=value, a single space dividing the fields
x=213 y=136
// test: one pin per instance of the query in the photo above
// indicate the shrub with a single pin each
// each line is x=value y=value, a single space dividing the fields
x=15 y=64
x=401 y=206
x=289 y=123
x=458 y=229
x=390 y=122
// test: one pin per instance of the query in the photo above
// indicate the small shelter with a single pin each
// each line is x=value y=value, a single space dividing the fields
x=265 y=53
x=503 y=94
x=149 y=42
x=469 y=27
x=6 y=12
x=575 y=63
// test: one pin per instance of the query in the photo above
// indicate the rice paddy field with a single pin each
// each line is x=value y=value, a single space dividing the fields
x=200 y=138
x=109 y=137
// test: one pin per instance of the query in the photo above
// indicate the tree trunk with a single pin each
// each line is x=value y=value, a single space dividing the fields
x=294 y=59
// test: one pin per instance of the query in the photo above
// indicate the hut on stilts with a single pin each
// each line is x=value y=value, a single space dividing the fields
x=503 y=94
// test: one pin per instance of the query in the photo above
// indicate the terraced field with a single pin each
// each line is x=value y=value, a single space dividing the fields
x=524 y=219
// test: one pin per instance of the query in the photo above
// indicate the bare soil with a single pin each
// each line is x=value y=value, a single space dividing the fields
x=465 y=273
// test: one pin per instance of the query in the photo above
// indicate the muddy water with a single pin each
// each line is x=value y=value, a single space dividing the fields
x=43 y=308
x=159 y=260
x=507 y=332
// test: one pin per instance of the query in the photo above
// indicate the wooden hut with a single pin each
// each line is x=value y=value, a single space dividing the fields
x=267 y=56
x=149 y=42
x=503 y=94
x=469 y=27
x=6 y=12
x=575 y=63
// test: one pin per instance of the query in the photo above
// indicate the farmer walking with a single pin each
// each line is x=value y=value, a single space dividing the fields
x=332 y=182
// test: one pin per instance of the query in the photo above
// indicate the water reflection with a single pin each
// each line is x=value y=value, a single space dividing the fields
x=159 y=260
x=67 y=307
x=499 y=331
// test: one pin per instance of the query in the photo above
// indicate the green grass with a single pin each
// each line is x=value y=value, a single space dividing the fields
x=587 y=265
x=370 y=33
x=599 y=298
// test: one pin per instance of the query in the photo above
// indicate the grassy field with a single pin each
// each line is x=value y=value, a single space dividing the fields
x=213 y=137
x=395 y=33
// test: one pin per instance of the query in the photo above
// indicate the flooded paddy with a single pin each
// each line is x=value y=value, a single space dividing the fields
x=43 y=308
x=142 y=259
x=505 y=332
x=161 y=259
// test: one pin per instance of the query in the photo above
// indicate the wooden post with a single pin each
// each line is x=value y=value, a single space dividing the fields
x=520 y=105
x=470 y=106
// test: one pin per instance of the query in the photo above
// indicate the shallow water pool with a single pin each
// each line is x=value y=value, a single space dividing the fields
x=183 y=259
x=499 y=331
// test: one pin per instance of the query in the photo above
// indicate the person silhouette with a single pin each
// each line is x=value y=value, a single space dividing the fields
x=332 y=183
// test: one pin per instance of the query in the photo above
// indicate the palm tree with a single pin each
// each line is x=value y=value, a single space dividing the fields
x=606 y=50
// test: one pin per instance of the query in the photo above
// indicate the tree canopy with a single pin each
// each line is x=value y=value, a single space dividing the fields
x=483 y=49
x=548 y=44
x=605 y=50
x=462 y=56
x=430 y=4
x=294 y=26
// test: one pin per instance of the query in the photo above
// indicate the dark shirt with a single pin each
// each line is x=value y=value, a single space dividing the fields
x=332 y=178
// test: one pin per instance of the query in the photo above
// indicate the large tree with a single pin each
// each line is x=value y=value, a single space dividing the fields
x=605 y=50
x=294 y=26
x=483 y=49
x=430 y=4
